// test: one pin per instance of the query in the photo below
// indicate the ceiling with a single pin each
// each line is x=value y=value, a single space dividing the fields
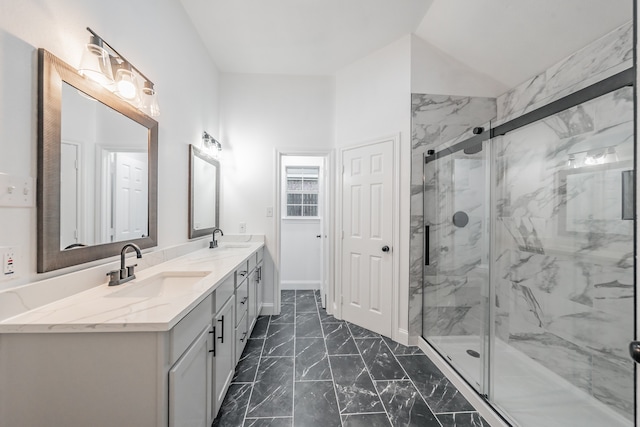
x=505 y=39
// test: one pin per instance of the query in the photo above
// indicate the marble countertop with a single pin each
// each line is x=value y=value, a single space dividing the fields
x=130 y=306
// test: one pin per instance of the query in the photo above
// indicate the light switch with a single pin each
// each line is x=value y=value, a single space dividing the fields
x=16 y=191
x=243 y=227
x=269 y=211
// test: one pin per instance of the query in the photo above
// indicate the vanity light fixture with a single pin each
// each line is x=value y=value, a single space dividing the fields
x=211 y=142
x=112 y=70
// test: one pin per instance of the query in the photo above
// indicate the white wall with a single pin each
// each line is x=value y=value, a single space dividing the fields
x=435 y=72
x=185 y=77
x=259 y=115
x=373 y=100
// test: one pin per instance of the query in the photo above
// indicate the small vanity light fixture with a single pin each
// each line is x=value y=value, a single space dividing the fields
x=112 y=70
x=211 y=142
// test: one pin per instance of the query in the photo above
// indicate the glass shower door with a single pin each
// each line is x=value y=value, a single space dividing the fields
x=563 y=255
x=456 y=274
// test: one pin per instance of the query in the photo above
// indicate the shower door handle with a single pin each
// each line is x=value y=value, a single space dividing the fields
x=634 y=351
x=426 y=245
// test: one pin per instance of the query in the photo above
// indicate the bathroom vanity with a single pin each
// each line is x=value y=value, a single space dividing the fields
x=159 y=350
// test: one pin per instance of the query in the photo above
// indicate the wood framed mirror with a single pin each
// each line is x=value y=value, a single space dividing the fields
x=97 y=169
x=204 y=193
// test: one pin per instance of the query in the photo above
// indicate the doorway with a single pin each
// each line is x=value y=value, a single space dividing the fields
x=303 y=223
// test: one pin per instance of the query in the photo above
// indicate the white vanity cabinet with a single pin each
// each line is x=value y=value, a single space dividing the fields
x=224 y=351
x=255 y=288
x=190 y=381
x=134 y=372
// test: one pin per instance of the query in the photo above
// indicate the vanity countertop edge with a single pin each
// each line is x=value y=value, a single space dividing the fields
x=96 y=309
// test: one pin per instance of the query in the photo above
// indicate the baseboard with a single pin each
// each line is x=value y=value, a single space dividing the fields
x=267 y=310
x=402 y=336
x=302 y=285
x=487 y=412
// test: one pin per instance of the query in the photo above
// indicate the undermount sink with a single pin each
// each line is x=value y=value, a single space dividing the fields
x=159 y=285
x=234 y=245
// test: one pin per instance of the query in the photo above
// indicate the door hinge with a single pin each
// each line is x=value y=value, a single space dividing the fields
x=343 y=169
x=343 y=234
x=341 y=299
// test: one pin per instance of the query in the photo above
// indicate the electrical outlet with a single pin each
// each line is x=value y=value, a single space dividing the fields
x=243 y=227
x=8 y=262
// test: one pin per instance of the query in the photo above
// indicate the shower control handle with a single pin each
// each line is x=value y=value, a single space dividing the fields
x=385 y=248
x=634 y=351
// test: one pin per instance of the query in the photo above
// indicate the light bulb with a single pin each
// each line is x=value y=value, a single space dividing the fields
x=126 y=82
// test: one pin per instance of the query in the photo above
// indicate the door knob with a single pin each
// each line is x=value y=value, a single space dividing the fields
x=319 y=236
x=385 y=248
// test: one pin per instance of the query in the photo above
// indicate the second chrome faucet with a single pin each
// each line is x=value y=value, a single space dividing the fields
x=214 y=243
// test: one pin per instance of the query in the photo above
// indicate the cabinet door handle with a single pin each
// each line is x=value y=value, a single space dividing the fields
x=221 y=337
x=244 y=300
x=244 y=336
x=214 y=341
x=243 y=273
x=259 y=273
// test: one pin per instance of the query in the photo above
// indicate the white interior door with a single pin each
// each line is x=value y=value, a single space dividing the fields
x=367 y=223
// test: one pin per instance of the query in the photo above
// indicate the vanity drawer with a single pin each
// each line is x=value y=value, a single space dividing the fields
x=252 y=261
x=242 y=335
x=224 y=292
x=241 y=273
x=187 y=330
x=242 y=301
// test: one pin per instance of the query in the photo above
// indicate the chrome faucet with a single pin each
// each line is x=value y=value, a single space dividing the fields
x=214 y=243
x=118 y=277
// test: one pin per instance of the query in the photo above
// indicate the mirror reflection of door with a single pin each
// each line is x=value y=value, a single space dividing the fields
x=129 y=195
x=124 y=192
x=104 y=173
x=69 y=195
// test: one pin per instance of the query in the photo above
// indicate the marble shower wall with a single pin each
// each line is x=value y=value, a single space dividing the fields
x=437 y=119
x=563 y=257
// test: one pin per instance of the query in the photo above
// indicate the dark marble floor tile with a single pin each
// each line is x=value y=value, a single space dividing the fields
x=318 y=295
x=248 y=363
x=400 y=349
x=308 y=325
x=326 y=317
x=360 y=332
x=339 y=339
x=305 y=293
x=268 y=422
x=234 y=406
x=288 y=296
x=440 y=394
x=287 y=314
x=306 y=302
x=312 y=363
x=404 y=404
x=279 y=341
x=355 y=390
x=366 y=420
x=273 y=390
x=462 y=419
x=382 y=364
x=260 y=329
x=315 y=405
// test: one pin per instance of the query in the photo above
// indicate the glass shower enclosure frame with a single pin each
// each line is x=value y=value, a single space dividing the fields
x=528 y=279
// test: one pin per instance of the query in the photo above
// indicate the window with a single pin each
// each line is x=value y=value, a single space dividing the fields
x=302 y=191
